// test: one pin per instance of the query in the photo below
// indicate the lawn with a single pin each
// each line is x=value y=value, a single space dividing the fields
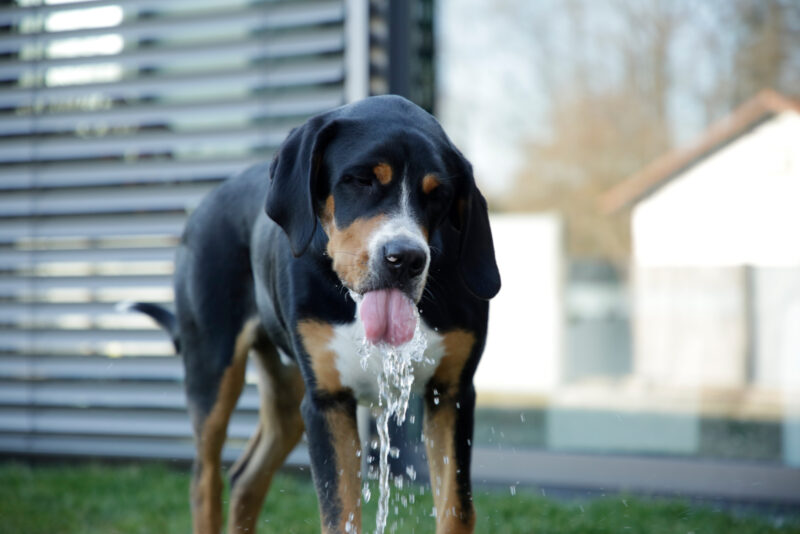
x=152 y=498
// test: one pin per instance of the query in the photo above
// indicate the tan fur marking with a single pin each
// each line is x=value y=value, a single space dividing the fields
x=429 y=183
x=439 y=433
x=279 y=429
x=207 y=487
x=348 y=249
x=383 y=172
x=346 y=444
x=327 y=214
x=457 y=349
x=316 y=336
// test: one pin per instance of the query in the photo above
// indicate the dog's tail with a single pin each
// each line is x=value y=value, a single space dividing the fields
x=162 y=316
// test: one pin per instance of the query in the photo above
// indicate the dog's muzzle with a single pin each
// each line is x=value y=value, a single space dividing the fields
x=403 y=261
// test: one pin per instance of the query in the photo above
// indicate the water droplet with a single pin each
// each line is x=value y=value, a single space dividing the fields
x=411 y=472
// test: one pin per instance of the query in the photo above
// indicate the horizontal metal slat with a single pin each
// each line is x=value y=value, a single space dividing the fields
x=251 y=18
x=197 y=55
x=10 y=285
x=92 y=422
x=98 y=394
x=128 y=369
x=30 y=294
x=45 y=315
x=57 y=346
x=15 y=15
x=292 y=74
x=27 y=320
x=15 y=259
x=93 y=227
x=101 y=173
x=123 y=447
x=158 y=198
x=118 y=146
x=243 y=110
x=23 y=312
x=117 y=447
x=20 y=337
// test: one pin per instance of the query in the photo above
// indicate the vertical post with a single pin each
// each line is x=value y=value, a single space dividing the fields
x=400 y=47
x=356 y=50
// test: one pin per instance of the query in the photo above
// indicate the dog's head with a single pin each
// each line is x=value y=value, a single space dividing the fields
x=380 y=176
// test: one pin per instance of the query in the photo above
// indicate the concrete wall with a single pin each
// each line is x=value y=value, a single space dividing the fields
x=690 y=326
x=523 y=354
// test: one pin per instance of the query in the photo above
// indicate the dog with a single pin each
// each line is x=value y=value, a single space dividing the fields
x=367 y=212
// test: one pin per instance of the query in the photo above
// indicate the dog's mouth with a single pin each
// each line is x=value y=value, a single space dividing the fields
x=388 y=316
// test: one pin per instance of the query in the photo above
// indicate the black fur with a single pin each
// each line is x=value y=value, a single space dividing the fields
x=255 y=248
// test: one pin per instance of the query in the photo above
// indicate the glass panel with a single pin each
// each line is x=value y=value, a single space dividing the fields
x=651 y=288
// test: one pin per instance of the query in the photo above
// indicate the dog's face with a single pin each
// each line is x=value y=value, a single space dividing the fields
x=380 y=177
x=379 y=206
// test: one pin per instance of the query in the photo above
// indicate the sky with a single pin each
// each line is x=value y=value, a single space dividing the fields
x=491 y=95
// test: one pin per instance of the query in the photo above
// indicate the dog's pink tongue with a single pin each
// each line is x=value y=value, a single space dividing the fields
x=388 y=316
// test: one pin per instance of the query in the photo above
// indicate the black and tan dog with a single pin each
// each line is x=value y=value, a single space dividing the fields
x=370 y=211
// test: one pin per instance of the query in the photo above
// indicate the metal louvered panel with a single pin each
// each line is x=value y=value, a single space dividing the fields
x=149 y=115
x=308 y=71
x=116 y=118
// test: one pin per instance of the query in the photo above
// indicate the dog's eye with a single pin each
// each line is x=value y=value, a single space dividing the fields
x=360 y=180
x=440 y=195
x=438 y=202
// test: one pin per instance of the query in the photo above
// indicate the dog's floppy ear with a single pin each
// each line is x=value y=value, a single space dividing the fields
x=476 y=262
x=293 y=176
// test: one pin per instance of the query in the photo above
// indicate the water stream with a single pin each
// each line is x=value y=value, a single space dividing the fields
x=394 y=389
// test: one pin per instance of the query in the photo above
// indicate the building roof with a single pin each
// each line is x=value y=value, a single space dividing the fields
x=661 y=170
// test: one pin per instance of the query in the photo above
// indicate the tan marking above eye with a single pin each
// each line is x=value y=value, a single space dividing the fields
x=383 y=172
x=429 y=183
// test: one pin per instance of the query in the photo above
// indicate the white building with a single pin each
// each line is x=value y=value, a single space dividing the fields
x=716 y=255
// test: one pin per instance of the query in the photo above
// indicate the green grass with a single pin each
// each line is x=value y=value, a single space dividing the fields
x=153 y=498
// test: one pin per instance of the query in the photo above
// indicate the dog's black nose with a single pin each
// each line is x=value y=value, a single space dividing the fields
x=404 y=258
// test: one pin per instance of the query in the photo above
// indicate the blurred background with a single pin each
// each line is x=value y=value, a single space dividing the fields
x=641 y=160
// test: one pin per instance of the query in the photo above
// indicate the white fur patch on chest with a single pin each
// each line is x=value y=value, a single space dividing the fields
x=348 y=346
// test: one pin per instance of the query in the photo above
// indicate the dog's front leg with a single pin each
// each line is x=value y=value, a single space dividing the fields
x=334 y=447
x=329 y=413
x=449 y=412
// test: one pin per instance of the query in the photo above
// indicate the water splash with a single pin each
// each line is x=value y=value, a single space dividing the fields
x=395 y=381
